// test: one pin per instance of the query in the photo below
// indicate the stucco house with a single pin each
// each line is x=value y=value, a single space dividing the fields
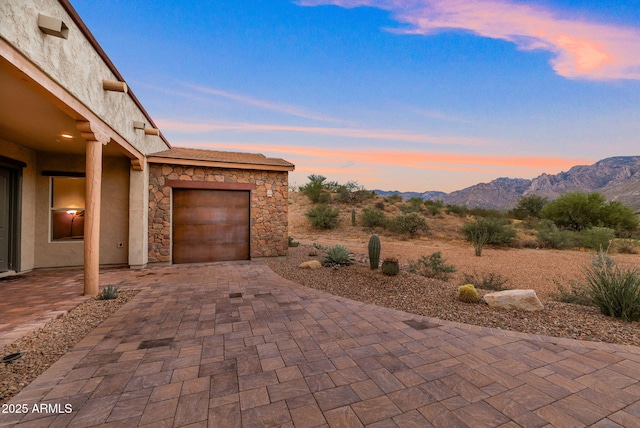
x=87 y=178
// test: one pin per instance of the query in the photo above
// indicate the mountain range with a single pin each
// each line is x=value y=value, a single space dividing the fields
x=617 y=178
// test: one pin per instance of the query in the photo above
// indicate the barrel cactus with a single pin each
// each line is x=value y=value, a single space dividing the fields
x=374 y=252
x=390 y=266
x=467 y=293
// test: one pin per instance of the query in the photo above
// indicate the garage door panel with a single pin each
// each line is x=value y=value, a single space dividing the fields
x=211 y=215
x=210 y=225
x=202 y=253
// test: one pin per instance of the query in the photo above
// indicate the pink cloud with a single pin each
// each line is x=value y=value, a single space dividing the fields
x=326 y=158
x=376 y=134
x=581 y=49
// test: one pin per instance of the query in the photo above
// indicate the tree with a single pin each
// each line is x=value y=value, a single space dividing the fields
x=314 y=188
x=529 y=206
x=579 y=211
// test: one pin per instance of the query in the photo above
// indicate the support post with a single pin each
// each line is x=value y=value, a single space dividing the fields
x=95 y=138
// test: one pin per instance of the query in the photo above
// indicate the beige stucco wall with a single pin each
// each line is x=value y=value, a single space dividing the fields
x=269 y=214
x=75 y=65
x=114 y=213
x=28 y=200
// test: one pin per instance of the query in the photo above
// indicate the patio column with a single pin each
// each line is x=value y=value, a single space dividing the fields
x=95 y=138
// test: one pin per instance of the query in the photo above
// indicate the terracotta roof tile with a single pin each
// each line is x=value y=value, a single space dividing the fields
x=220 y=156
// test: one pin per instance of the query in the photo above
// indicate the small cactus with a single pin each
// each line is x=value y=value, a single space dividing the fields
x=374 y=252
x=353 y=216
x=467 y=293
x=390 y=266
x=108 y=293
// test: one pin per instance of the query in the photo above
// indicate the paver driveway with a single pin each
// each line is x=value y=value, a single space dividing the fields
x=233 y=344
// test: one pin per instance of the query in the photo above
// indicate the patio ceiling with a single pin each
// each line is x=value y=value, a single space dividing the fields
x=29 y=117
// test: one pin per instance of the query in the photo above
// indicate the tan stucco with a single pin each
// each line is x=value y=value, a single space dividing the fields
x=75 y=65
x=115 y=212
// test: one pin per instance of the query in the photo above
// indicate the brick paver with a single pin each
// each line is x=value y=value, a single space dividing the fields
x=233 y=344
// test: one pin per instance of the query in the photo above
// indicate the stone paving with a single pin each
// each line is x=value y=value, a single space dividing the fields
x=234 y=345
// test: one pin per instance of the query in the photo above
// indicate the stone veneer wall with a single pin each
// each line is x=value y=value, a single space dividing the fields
x=269 y=215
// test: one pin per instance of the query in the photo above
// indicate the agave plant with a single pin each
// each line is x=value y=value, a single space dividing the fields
x=338 y=256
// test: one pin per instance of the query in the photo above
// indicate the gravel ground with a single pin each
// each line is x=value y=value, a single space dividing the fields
x=438 y=299
x=46 y=345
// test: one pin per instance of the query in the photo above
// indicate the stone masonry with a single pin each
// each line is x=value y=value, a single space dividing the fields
x=269 y=214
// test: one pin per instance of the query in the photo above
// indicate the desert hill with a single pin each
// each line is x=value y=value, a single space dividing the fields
x=618 y=178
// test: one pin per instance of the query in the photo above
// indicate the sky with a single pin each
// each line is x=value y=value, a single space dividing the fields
x=409 y=95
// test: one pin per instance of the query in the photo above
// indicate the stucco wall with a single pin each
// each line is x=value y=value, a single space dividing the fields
x=28 y=198
x=75 y=65
x=269 y=214
x=114 y=213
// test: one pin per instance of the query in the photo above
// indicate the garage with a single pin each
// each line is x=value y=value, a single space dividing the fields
x=210 y=225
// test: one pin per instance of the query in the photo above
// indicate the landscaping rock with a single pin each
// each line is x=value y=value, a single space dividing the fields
x=525 y=300
x=311 y=264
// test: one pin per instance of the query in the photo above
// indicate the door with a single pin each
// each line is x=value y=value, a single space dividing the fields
x=210 y=225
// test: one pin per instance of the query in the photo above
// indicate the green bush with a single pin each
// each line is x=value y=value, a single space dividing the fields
x=549 y=236
x=486 y=212
x=432 y=266
x=411 y=223
x=597 y=238
x=459 y=210
x=614 y=290
x=323 y=216
x=393 y=199
x=413 y=205
x=434 y=206
x=373 y=217
x=351 y=192
x=626 y=246
x=338 y=255
x=292 y=242
x=498 y=230
x=529 y=206
x=486 y=281
x=575 y=294
x=315 y=188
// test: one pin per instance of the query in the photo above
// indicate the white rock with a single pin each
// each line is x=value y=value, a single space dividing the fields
x=311 y=264
x=525 y=300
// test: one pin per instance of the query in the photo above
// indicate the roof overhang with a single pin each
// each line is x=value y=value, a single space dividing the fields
x=217 y=164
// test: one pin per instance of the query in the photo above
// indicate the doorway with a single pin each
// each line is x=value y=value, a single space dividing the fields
x=9 y=217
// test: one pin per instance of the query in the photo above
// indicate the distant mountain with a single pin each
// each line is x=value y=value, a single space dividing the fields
x=617 y=178
x=433 y=194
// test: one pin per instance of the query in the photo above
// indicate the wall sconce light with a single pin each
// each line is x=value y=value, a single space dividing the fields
x=269 y=193
x=53 y=26
x=114 y=85
x=152 y=131
x=138 y=125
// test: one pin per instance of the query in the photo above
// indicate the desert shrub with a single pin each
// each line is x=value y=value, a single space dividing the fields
x=108 y=293
x=626 y=246
x=338 y=255
x=379 y=205
x=579 y=210
x=390 y=266
x=529 y=206
x=498 y=230
x=486 y=281
x=291 y=242
x=315 y=188
x=393 y=199
x=486 y=212
x=411 y=223
x=413 y=205
x=351 y=192
x=434 y=206
x=459 y=210
x=373 y=217
x=432 y=266
x=597 y=238
x=549 y=236
x=615 y=291
x=467 y=293
x=323 y=216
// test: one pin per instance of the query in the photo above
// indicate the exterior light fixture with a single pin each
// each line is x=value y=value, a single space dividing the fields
x=53 y=26
x=138 y=125
x=151 y=131
x=114 y=85
x=67 y=136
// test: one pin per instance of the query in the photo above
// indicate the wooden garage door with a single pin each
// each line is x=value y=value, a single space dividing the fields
x=210 y=225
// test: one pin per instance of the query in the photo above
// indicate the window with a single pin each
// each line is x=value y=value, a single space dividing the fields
x=67 y=208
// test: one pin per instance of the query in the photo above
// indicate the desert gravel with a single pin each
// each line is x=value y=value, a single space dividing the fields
x=434 y=298
x=46 y=345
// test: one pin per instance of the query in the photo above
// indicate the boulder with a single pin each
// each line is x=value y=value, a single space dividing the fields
x=524 y=300
x=311 y=264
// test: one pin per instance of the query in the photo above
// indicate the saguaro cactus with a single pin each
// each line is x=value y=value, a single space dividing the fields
x=353 y=216
x=374 y=252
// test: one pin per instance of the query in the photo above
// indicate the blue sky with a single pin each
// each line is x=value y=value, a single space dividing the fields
x=395 y=94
